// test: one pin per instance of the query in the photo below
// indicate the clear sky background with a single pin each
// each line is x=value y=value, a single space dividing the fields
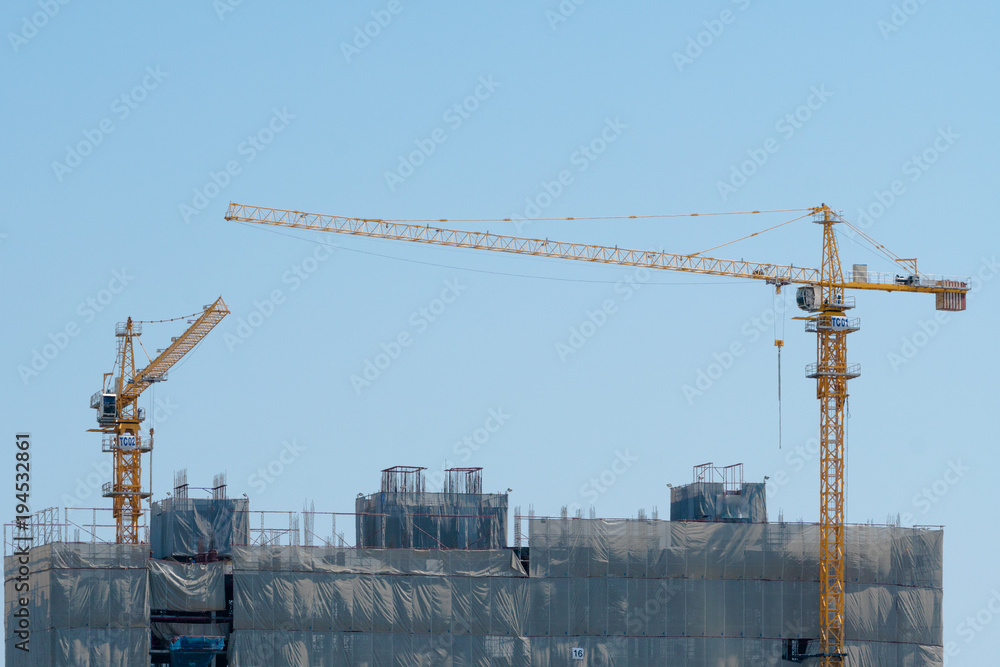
x=121 y=121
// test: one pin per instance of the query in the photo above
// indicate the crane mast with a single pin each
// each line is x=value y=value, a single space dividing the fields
x=125 y=443
x=832 y=373
x=119 y=416
x=822 y=293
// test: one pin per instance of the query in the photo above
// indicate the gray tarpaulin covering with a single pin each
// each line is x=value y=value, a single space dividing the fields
x=432 y=520
x=89 y=606
x=308 y=606
x=709 y=501
x=183 y=527
x=378 y=561
x=390 y=650
x=626 y=592
x=187 y=586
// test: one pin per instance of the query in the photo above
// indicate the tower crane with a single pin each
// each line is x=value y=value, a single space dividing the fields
x=821 y=293
x=118 y=416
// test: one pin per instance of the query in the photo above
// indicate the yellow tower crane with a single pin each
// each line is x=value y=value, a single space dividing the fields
x=119 y=417
x=821 y=294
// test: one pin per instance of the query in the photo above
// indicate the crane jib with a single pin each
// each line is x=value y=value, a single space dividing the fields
x=821 y=292
x=950 y=291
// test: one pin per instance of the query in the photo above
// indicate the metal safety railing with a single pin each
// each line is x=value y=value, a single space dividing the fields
x=849 y=371
x=77 y=524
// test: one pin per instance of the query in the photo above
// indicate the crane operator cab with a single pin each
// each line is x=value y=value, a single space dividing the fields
x=106 y=406
x=810 y=299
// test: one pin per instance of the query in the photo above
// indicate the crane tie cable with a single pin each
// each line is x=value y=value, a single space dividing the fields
x=749 y=236
x=172 y=319
x=596 y=217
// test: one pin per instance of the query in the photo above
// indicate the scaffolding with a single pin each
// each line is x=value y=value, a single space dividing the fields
x=404 y=515
x=719 y=493
x=731 y=476
x=626 y=592
x=403 y=479
x=463 y=480
x=622 y=591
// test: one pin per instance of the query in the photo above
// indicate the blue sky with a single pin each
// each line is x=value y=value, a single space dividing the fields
x=129 y=128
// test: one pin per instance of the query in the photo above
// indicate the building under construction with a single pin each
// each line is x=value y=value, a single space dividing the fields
x=432 y=580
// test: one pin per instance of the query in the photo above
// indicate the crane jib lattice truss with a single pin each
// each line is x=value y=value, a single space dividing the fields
x=119 y=416
x=822 y=293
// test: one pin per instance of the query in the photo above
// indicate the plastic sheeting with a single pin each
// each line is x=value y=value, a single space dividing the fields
x=392 y=590
x=89 y=606
x=709 y=550
x=625 y=592
x=708 y=501
x=736 y=580
x=187 y=586
x=432 y=520
x=305 y=649
x=184 y=527
x=378 y=561
x=307 y=606
x=359 y=603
